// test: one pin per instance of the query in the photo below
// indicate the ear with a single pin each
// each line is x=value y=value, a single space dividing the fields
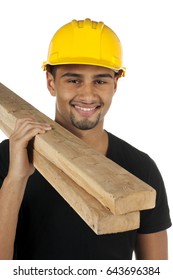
x=115 y=83
x=117 y=76
x=50 y=83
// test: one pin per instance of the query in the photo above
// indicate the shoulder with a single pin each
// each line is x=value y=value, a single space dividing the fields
x=129 y=157
x=121 y=147
x=4 y=159
x=4 y=143
x=141 y=165
x=4 y=152
x=4 y=149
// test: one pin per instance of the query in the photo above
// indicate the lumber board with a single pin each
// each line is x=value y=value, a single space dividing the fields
x=94 y=214
x=118 y=190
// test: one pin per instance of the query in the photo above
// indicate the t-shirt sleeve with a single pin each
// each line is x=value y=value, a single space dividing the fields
x=158 y=218
x=4 y=160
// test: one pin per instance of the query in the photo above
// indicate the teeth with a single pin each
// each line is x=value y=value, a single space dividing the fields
x=85 y=109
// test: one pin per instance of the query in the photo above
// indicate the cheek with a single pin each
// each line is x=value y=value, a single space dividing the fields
x=64 y=94
x=107 y=98
x=62 y=100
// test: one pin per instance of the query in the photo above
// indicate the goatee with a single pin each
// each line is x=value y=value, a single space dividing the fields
x=85 y=123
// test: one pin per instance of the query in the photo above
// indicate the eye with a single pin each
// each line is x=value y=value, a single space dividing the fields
x=73 y=81
x=100 y=82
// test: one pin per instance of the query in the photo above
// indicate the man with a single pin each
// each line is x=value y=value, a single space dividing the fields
x=83 y=67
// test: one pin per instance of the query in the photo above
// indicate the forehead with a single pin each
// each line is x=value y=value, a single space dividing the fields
x=84 y=69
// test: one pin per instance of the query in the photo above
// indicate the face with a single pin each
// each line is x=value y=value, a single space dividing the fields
x=83 y=95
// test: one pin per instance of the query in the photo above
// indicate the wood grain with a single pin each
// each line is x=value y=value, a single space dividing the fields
x=114 y=187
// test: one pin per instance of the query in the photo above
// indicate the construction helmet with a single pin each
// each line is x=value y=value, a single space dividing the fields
x=85 y=42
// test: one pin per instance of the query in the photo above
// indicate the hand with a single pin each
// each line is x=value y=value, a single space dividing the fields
x=20 y=168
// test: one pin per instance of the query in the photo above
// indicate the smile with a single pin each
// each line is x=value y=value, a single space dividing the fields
x=84 y=108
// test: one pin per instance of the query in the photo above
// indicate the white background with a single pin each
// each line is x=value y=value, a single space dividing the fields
x=141 y=112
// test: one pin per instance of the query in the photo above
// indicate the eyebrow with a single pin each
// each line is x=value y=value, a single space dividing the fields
x=71 y=74
x=104 y=75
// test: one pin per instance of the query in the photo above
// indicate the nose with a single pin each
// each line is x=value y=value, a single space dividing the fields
x=87 y=92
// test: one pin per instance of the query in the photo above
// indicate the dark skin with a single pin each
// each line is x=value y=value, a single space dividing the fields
x=88 y=85
x=83 y=96
x=153 y=246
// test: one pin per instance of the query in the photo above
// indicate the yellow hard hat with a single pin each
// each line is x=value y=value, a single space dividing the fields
x=85 y=42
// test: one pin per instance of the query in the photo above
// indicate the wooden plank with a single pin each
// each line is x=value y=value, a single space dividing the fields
x=113 y=186
x=98 y=218
x=95 y=215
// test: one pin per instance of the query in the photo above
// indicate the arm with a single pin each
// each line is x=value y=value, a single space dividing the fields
x=10 y=201
x=13 y=188
x=152 y=246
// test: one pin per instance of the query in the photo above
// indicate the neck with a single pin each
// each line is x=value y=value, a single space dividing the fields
x=96 y=138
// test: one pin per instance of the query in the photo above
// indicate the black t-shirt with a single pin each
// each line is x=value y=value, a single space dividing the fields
x=48 y=228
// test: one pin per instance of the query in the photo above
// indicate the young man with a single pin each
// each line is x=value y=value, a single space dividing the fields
x=83 y=67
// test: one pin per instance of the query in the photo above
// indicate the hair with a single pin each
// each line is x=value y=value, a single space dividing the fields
x=52 y=69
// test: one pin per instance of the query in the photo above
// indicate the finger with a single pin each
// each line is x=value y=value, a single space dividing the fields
x=21 y=123
x=27 y=131
x=24 y=125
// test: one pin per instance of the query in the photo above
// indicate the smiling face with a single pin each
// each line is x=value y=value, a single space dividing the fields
x=83 y=95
